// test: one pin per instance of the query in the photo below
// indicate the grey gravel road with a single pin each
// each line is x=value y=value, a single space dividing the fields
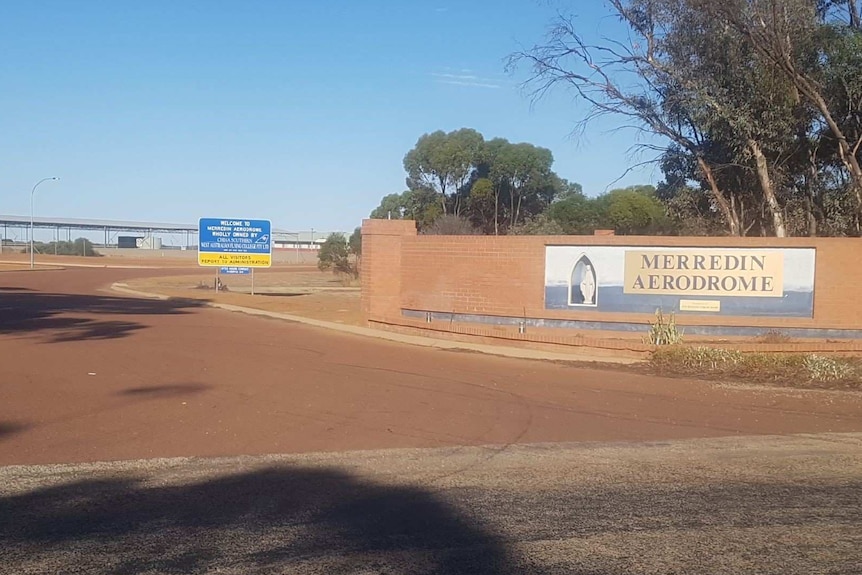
x=766 y=505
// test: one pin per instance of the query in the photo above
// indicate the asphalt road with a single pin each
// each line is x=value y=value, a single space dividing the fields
x=142 y=436
x=768 y=505
x=92 y=375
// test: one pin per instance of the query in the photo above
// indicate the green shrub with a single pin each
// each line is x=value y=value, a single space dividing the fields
x=663 y=332
x=79 y=247
x=335 y=254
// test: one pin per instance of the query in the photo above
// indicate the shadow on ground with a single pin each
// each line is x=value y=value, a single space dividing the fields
x=277 y=294
x=8 y=428
x=322 y=520
x=280 y=519
x=65 y=316
x=167 y=390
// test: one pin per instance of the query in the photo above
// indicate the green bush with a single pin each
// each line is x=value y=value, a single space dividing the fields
x=79 y=247
x=663 y=331
x=335 y=254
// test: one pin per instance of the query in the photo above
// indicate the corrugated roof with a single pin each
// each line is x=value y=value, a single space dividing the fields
x=124 y=225
x=96 y=224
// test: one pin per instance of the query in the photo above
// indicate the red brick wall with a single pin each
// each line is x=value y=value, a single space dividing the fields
x=380 y=272
x=504 y=276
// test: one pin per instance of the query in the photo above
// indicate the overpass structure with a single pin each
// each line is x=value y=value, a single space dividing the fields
x=62 y=228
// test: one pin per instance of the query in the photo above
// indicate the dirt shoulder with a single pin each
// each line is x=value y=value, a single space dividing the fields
x=767 y=505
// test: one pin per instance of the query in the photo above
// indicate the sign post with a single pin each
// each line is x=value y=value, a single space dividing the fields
x=234 y=246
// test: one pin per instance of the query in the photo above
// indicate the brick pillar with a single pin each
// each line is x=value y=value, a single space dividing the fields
x=381 y=266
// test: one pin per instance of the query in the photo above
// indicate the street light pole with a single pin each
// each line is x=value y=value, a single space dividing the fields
x=33 y=193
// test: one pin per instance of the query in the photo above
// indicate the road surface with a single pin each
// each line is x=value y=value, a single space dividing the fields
x=91 y=375
x=143 y=436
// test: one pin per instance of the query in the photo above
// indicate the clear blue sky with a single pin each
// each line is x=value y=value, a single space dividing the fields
x=300 y=112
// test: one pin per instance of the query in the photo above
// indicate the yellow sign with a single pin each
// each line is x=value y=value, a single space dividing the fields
x=242 y=260
x=737 y=273
x=699 y=305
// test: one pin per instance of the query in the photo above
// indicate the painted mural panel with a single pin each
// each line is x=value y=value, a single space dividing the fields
x=707 y=281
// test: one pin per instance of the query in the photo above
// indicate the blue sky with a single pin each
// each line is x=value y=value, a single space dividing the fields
x=299 y=112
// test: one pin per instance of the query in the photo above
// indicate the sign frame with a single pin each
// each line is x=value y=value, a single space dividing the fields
x=234 y=242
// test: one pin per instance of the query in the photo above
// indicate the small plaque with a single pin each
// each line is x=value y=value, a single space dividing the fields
x=699 y=305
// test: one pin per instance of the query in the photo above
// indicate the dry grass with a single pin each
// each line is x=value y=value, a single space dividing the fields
x=774 y=336
x=793 y=370
x=311 y=294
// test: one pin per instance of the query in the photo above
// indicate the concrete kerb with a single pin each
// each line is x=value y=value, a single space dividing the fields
x=503 y=351
x=28 y=270
x=60 y=266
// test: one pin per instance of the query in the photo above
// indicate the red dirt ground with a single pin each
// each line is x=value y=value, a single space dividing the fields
x=282 y=287
x=87 y=374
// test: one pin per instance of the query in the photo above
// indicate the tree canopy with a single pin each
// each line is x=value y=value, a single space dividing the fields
x=494 y=184
x=759 y=103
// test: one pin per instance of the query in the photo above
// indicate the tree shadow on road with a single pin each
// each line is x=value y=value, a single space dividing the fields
x=165 y=390
x=8 y=428
x=278 y=519
x=64 y=316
